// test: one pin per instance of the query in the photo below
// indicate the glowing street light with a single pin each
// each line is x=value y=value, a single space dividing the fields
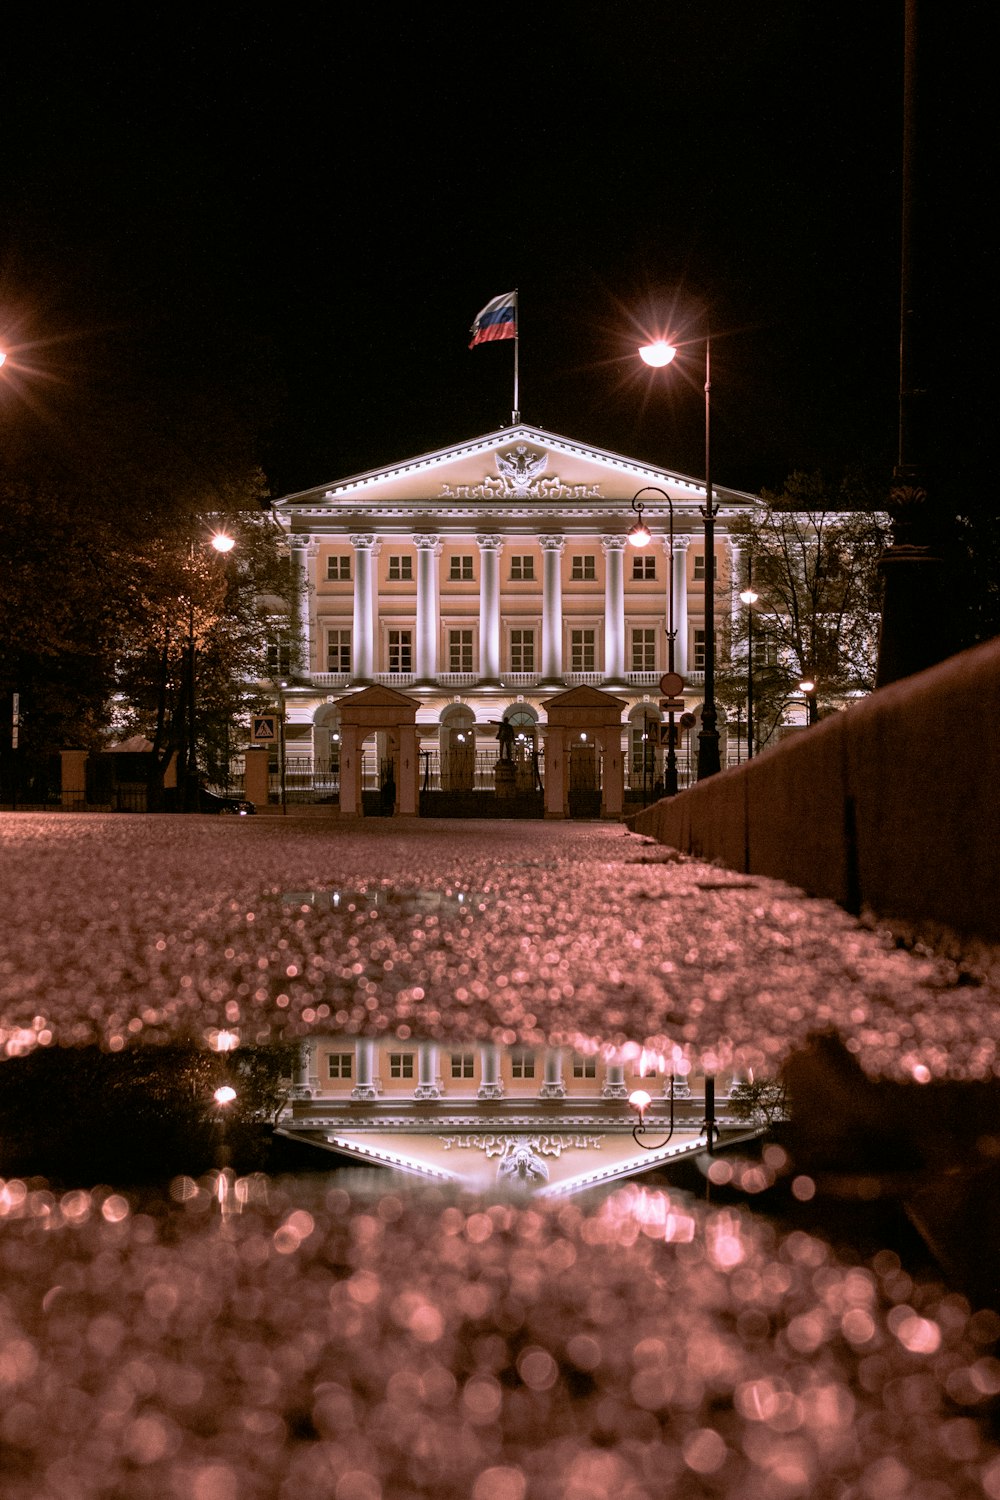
x=658 y=354
x=222 y=543
x=224 y=1095
x=640 y=1101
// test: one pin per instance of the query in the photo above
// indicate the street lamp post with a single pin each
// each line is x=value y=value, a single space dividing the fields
x=640 y=1101
x=656 y=355
x=749 y=598
x=222 y=543
x=641 y=536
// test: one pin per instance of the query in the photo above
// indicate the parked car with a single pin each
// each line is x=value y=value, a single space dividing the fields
x=215 y=802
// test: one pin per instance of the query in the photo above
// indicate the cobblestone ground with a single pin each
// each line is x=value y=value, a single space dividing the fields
x=248 y=1338
x=119 y=929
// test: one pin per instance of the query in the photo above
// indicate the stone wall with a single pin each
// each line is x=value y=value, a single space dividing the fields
x=893 y=804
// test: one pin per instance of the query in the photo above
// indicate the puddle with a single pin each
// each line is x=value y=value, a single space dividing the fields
x=479 y=1116
x=390 y=899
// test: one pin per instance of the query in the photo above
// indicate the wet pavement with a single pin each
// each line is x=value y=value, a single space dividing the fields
x=120 y=929
x=236 y=1338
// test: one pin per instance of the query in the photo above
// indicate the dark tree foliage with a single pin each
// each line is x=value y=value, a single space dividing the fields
x=60 y=608
x=77 y=1116
x=110 y=490
x=813 y=551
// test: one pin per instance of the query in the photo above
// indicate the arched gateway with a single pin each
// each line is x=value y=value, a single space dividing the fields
x=392 y=717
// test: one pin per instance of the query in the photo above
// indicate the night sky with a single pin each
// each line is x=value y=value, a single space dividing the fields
x=305 y=216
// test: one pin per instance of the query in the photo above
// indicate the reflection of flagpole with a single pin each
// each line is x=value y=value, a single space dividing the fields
x=516 y=413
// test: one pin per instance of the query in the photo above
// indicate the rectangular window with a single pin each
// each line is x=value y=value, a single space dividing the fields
x=699 y=651
x=583 y=568
x=585 y=1067
x=400 y=568
x=765 y=651
x=522 y=651
x=463 y=1065
x=699 y=567
x=460 y=570
x=338 y=569
x=338 y=651
x=522 y=1064
x=522 y=569
x=400 y=651
x=339 y=1064
x=460 y=651
x=643 y=566
x=583 y=650
x=644 y=650
x=400 y=1064
x=279 y=659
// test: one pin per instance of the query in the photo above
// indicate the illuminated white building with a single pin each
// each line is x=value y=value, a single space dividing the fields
x=547 y=1119
x=485 y=577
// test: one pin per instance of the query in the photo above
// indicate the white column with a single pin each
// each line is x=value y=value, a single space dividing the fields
x=552 y=624
x=490 y=1081
x=428 y=1082
x=735 y=563
x=614 y=609
x=428 y=552
x=304 y=557
x=614 y=1082
x=300 y=1073
x=553 y=1086
x=681 y=544
x=366 y=549
x=490 y=548
x=365 y=1087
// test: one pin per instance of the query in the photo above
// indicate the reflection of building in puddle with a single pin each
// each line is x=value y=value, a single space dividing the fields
x=388 y=898
x=546 y=1120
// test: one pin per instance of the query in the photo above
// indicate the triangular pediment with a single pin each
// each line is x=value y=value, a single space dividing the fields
x=514 y=468
x=377 y=696
x=583 y=697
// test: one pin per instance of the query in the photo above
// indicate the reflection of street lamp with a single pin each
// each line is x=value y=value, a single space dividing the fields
x=656 y=355
x=812 y=710
x=640 y=1101
x=641 y=536
x=749 y=598
x=224 y=1095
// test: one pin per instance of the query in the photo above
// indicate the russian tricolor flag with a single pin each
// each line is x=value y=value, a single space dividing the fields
x=498 y=320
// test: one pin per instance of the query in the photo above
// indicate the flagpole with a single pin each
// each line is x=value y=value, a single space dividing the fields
x=516 y=413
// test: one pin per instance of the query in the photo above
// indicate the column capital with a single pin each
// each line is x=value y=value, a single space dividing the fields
x=307 y=544
x=490 y=543
x=681 y=543
x=614 y=543
x=362 y=542
x=426 y=541
x=552 y=543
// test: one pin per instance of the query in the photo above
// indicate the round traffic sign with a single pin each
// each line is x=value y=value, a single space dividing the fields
x=671 y=684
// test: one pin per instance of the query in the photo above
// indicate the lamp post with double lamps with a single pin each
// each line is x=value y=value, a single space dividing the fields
x=641 y=536
x=657 y=355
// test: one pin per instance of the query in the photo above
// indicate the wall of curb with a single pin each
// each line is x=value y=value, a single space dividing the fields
x=894 y=804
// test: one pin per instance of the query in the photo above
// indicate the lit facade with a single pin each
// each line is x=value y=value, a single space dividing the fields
x=547 y=1119
x=485 y=577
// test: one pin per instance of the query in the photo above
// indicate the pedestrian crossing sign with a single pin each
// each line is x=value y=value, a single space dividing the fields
x=264 y=729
